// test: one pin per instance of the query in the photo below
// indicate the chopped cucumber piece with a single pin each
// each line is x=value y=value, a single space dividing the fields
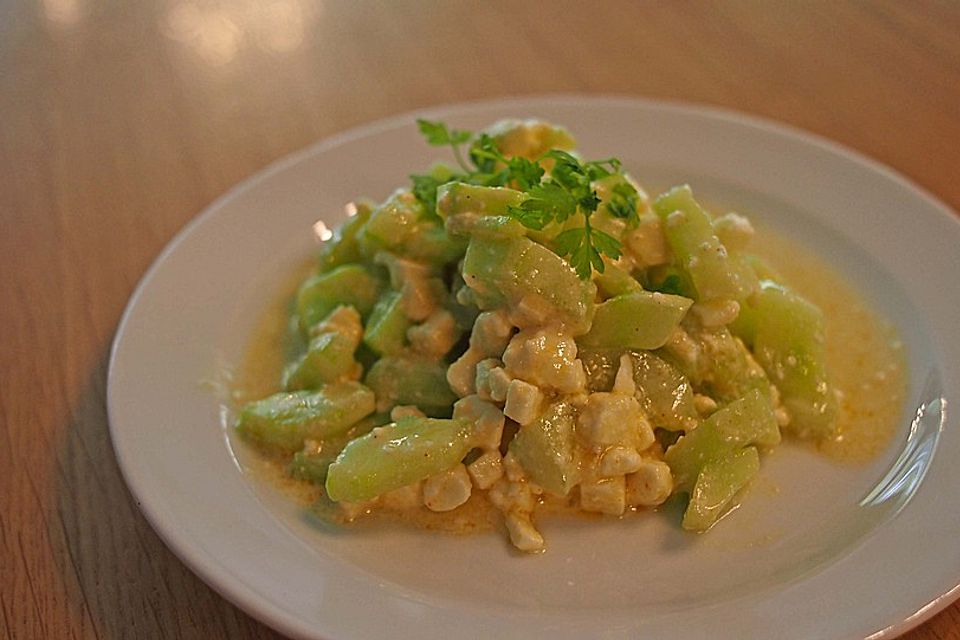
x=691 y=237
x=469 y=224
x=342 y=248
x=717 y=485
x=639 y=320
x=663 y=391
x=406 y=380
x=458 y=197
x=401 y=225
x=329 y=358
x=744 y=422
x=510 y=269
x=789 y=345
x=395 y=456
x=386 y=331
x=284 y=420
x=349 y=284
x=615 y=281
x=312 y=465
x=546 y=449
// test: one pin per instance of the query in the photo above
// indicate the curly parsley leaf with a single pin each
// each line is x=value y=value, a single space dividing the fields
x=567 y=192
x=439 y=135
x=425 y=190
x=623 y=202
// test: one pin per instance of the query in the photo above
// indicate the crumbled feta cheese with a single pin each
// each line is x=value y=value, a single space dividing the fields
x=482 y=381
x=344 y=320
x=614 y=419
x=402 y=270
x=646 y=244
x=406 y=411
x=461 y=374
x=523 y=534
x=499 y=382
x=682 y=346
x=491 y=333
x=618 y=461
x=509 y=495
x=523 y=403
x=650 y=485
x=734 y=231
x=716 y=313
x=705 y=405
x=436 y=336
x=418 y=298
x=447 y=490
x=533 y=310
x=624 y=382
x=486 y=469
x=487 y=421
x=607 y=495
x=546 y=357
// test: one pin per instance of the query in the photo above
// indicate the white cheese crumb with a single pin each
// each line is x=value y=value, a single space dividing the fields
x=650 y=485
x=486 y=469
x=487 y=421
x=523 y=402
x=604 y=496
x=447 y=490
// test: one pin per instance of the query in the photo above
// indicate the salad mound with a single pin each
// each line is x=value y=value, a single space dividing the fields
x=527 y=323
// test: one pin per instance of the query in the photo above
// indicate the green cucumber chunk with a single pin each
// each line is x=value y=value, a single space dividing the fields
x=459 y=197
x=311 y=465
x=343 y=248
x=546 y=449
x=692 y=239
x=329 y=358
x=284 y=420
x=667 y=278
x=320 y=294
x=395 y=456
x=469 y=224
x=401 y=380
x=724 y=370
x=639 y=320
x=789 y=345
x=717 y=485
x=505 y=270
x=744 y=422
x=386 y=330
x=663 y=391
x=615 y=281
x=401 y=225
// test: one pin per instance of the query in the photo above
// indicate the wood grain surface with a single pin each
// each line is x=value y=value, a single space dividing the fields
x=121 y=119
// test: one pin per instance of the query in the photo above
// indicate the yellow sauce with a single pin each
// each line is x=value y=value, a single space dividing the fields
x=865 y=359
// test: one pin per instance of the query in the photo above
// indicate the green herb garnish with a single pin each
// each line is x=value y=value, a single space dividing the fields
x=565 y=193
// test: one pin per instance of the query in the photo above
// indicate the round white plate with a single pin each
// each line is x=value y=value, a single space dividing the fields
x=840 y=551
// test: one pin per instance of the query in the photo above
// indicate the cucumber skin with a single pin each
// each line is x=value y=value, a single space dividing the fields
x=283 y=421
x=638 y=320
x=395 y=456
x=717 y=485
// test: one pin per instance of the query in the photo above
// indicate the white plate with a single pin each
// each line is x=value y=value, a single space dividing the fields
x=840 y=552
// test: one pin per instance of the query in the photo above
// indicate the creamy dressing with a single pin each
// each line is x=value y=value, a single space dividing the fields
x=866 y=364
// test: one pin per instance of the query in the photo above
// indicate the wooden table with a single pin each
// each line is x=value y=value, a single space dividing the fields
x=120 y=120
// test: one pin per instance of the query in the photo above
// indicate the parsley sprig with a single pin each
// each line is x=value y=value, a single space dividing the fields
x=567 y=192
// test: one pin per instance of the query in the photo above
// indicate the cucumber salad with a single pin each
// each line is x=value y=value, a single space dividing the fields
x=523 y=324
